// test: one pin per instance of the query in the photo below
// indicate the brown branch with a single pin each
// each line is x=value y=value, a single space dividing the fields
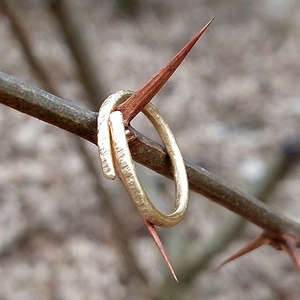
x=12 y=12
x=71 y=22
x=73 y=30
x=128 y=8
x=118 y=226
x=82 y=122
x=46 y=107
x=197 y=257
x=234 y=225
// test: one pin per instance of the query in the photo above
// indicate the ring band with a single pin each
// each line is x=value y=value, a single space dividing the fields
x=104 y=145
x=116 y=137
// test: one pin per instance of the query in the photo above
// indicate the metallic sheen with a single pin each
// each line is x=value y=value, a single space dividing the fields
x=115 y=138
x=104 y=145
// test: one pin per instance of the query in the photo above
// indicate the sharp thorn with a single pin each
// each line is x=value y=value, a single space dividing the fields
x=290 y=249
x=160 y=246
x=134 y=104
x=254 y=244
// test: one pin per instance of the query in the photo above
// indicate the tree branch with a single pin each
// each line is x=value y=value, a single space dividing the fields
x=75 y=34
x=82 y=122
x=14 y=14
x=46 y=107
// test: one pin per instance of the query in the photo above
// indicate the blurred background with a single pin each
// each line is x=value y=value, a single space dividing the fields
x=233 y=105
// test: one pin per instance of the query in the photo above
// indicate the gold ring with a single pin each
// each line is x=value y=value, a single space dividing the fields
x=125 y=166
x=104 y=145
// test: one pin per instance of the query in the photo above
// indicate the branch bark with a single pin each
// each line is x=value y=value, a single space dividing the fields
x=75 y=34
x=46 y=107
x=118 y=226
x=196 y=259
x=82 y=122
x=13 y=13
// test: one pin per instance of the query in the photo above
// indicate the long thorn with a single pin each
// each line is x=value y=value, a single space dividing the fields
x=256 y=243
x=133 y=105
x=160 y=246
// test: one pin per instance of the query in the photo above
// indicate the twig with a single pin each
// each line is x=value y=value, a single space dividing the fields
x=198 y=259
x=129 y=8
x=234 y=225
x=82 y=122
x=18 y=27
x=28 y=231
x=119 y=228
x=46 y=107
x=73 y=31
x=66 y=12
x=71 y=23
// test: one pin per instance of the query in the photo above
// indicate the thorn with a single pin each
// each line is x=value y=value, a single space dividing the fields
x=291 y=251
x=134 y=104
x=254 y=244
x=289 y=246
x=160 y=246
x=279 y=242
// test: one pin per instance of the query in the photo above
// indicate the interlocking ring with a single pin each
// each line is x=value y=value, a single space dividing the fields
x=113 y=148
x=104 y=144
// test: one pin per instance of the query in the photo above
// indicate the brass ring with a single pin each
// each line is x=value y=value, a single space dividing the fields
x=104 y=145
x=125 y=166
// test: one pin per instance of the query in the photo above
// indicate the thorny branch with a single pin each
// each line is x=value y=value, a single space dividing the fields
x=71 y=23
x=82 y=122
x=87 y=68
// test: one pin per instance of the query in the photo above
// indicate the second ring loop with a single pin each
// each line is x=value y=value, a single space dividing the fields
x=120 y=154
